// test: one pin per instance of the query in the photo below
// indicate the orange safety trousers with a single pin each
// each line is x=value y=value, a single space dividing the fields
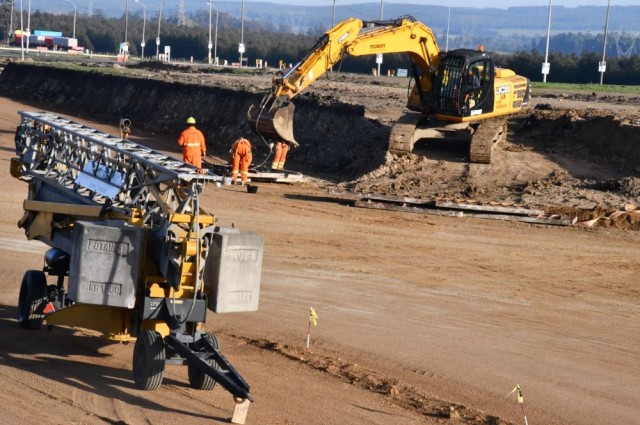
x=280 y=156
x=193 y=146
x=241 y=158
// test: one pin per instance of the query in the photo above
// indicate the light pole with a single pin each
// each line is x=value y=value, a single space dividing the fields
x=144 y=21
x=21 y=33
x=446 y=46
x=379 y=55
x=158 y=37
x=333 y=24
x=28 y=25
x=215 y=39
x=11 y=20
x=602 y=66
x=126 y=20
x=546 y=65
x=209 y=46
x=75 y=14
x=333 y=15
x=215 y=45
x=241 y=47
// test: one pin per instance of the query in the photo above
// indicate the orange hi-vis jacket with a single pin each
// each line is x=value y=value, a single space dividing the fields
x=280 y=155
x=241 y=158
x=193 y=146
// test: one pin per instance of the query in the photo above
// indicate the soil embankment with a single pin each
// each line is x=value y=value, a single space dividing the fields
x=331 y=133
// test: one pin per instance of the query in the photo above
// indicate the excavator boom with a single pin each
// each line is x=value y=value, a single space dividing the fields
x=273 y=118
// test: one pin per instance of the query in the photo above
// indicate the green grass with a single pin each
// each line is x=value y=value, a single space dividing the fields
x=588 y=88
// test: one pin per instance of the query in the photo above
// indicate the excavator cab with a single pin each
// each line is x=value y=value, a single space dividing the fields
x=464 y=84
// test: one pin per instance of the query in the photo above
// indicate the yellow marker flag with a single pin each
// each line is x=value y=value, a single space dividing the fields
x=313 y=317
x=518 y=392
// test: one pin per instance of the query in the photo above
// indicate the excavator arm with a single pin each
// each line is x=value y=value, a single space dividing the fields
x=328 y=51
x=273 y=118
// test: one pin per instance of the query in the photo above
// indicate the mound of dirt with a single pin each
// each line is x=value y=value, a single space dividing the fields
x=584 y=160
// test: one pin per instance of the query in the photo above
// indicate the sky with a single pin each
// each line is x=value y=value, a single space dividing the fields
x=503 y=4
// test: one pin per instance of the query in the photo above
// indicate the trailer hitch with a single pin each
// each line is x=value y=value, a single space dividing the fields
x=227 y=375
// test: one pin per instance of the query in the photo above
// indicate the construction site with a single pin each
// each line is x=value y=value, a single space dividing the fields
x=440 y=283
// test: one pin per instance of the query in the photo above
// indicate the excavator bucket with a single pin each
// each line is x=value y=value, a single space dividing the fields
x=275 y=123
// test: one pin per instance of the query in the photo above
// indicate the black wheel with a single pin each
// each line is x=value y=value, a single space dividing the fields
x=197 y=378
x=148 y=360
x=33 y=298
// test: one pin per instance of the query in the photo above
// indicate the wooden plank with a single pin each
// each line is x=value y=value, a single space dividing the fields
x=525 y=219
x=348 y=194
x=489 y=208
x=276 y=177
x=402 y=208
x=400 y=199
x=382 y=198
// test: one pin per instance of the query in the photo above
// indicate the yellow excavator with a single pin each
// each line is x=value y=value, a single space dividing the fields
x=455 y=94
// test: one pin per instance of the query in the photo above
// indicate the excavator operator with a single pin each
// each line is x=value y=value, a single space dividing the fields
x=193 y=146
x=241 y=158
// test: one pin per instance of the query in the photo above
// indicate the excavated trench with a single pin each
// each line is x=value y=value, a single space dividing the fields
x=162 y=106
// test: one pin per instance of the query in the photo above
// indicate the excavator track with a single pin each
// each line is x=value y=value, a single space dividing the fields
x=402 y=135
x=487 y=134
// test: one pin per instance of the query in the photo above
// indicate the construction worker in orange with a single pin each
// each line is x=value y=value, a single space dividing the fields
x=193 y=146
x=241 y=158
x=279 y=155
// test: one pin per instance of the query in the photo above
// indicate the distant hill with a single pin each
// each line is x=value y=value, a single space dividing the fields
x=532 y=20
x=500 y=30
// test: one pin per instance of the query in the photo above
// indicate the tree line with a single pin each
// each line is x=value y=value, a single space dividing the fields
x=103 y=35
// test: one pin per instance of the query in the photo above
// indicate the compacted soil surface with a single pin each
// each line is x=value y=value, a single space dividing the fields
x=422 y=319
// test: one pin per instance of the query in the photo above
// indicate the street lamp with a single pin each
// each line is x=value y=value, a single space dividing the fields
x=241 y=46
x=333 y=15
x=379 y=55
x=126 y=19
x=28 y=25
x=158 y=37
x=75 y=14
x=446 y=47
x=21 y=33
x=602 y=66
x=333 y=23
x=144 y=21
x=215 y=45
x=11 y=20
x=546 y=65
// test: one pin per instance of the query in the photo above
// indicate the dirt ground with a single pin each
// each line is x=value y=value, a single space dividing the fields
x=422 y=319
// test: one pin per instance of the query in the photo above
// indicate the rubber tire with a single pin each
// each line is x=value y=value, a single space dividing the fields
x=199 y=380
x=33 y=296
x=148 y=360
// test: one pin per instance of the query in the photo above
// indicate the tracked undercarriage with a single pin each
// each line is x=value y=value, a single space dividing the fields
x=482 y=136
